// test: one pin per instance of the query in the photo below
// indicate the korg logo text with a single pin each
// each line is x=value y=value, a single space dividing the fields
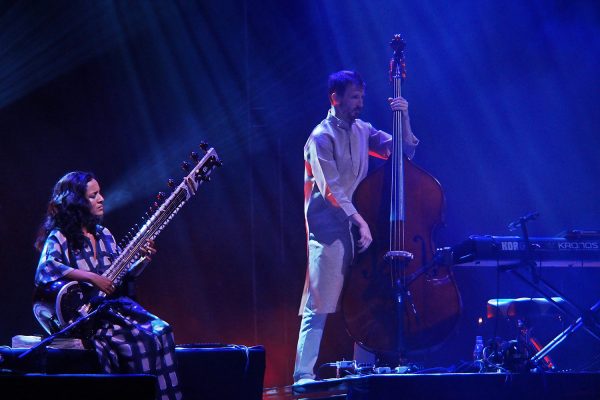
x=510 y=246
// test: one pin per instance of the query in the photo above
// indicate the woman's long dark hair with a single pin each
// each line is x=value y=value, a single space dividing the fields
x=69 y=210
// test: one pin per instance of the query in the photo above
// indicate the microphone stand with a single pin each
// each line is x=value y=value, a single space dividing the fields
x=42 y=345
x=582 y=318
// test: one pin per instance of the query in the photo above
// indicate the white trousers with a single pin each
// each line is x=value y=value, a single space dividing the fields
x=309 y=342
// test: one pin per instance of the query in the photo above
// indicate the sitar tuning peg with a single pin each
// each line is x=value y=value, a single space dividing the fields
x=161 y=196
x=171 y=183
x=216 y=162
x=194 y=156
x=204 y=146
x=185 y=166
x=203 y=177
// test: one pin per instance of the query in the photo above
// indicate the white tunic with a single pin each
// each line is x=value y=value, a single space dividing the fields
x=336 y=160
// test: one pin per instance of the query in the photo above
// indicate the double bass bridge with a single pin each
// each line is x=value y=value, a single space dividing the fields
x=398 y=255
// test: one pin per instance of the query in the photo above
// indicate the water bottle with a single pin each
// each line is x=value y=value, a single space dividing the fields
x=478 y=350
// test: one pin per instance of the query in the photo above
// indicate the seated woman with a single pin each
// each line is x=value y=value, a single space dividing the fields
x=74 y=246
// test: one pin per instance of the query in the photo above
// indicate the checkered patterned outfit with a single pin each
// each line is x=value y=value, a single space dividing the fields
x=127 y=338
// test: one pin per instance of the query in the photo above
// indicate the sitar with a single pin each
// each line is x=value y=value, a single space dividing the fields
x=59 y=304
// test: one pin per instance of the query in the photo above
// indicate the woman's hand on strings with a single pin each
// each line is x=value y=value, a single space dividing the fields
x=148 y=250
x=103 y=283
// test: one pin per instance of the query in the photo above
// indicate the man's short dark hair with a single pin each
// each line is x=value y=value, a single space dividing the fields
x=339 y=81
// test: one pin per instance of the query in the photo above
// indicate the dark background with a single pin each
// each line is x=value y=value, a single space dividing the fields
x=503 y=95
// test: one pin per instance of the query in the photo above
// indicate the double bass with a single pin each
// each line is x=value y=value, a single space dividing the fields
x=400 y=297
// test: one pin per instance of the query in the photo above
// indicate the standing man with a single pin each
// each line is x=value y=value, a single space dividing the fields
x=336 y=161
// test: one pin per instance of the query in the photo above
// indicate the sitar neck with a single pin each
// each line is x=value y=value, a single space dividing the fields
x=154 y=225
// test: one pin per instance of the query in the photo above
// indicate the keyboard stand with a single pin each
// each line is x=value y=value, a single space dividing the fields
x=582 y=317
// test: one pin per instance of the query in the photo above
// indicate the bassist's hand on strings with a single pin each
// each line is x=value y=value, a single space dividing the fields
x=365 y=238
x=398 y=104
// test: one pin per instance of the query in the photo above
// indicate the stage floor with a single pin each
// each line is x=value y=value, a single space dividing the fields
x=448 y=386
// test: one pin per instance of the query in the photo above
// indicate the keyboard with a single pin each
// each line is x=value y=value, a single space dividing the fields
x=488 y=250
